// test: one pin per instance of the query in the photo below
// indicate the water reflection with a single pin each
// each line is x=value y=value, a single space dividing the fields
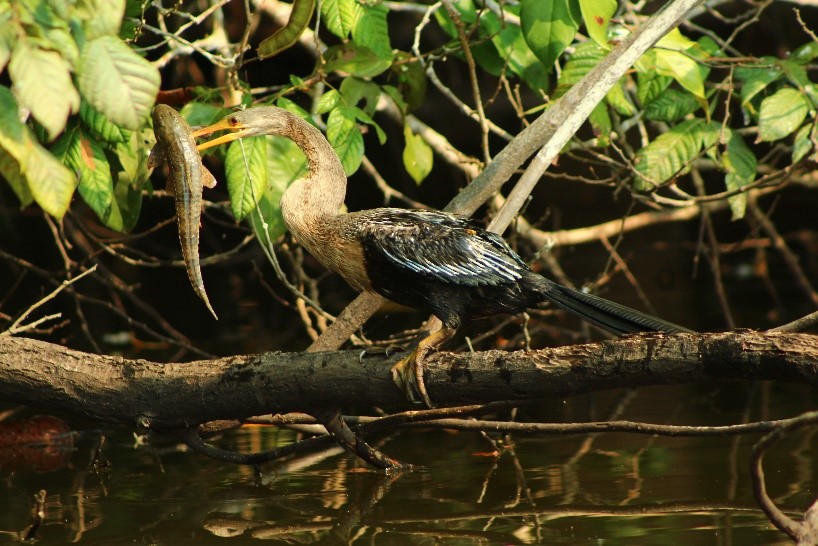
x=471 y=489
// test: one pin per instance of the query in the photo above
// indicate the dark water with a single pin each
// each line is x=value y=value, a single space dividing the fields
x=577 y=489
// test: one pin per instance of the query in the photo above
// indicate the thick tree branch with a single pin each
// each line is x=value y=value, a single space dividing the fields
x=167 y=396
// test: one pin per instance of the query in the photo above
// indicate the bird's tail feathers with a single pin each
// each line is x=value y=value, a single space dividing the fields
x=605 y=314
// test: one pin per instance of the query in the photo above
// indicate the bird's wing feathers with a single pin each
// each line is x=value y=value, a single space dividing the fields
x=441 y=246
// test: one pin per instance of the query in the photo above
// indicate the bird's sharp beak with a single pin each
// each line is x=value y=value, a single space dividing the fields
x=235 y=133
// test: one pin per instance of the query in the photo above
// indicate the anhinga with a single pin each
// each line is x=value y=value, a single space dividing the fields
x=436 y=262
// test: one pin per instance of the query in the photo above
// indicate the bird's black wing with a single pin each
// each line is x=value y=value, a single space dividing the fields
x=440 y=246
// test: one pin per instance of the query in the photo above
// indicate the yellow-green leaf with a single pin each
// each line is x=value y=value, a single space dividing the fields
x=781 y=114
x=285 y=164
x=42 y=80
x=417 y=156
x=117 y=82
x=597 y=14
x=245 y=166
x=346 y=138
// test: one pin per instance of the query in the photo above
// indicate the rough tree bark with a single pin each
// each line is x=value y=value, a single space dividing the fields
x=154 y=395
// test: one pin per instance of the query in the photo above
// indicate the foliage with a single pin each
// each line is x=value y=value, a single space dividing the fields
x=87 y=128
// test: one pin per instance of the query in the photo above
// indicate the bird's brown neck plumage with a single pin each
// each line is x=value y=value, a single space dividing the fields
x=312 y=201
x=311 y=205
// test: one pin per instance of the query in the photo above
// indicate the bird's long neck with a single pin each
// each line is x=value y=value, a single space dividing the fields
x=311 y=203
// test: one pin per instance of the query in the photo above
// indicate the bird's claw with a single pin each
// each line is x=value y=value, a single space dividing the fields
x=408 y=376
x=386 y=351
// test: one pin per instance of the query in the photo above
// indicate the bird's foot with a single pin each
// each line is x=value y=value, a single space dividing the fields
x=408 y=376
x=387 y=351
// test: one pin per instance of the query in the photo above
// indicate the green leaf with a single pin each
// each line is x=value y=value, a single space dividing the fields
x=586 y=56
x=650 y=85
x=51 y=184
x=346 y=138
x=619 y=101
x=672 y=105
x=371 y=31
x=87 y=159
x=100 y=126
x=201 y=113
x=10 y=171
x=245 y=166
x=338 y=16
x=354 y=90
x=328 y=101
x=668 y=154
x=42 y=80
x=362 y=116
x=806 y=53
x=9 y=30
x=285 y=164
x=756 y=78
x=548 y=27
x=740 y=163
x=417 y=156
x=46 y=179
x=797 y=74
x=802 y=144
x=287 y=35
x=781 y=114
x=354 y=59
x=681 y=68
x=597 y=14
x=514 y=50
x=117 y=82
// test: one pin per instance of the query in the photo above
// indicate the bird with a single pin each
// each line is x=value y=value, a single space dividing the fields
x=439 y=263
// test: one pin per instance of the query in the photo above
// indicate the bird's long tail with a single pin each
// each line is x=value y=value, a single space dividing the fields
x=605 y=314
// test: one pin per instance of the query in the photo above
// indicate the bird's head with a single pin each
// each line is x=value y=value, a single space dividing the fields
x=262 y=120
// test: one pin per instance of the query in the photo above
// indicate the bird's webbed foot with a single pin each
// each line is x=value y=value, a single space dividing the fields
x=408 y=376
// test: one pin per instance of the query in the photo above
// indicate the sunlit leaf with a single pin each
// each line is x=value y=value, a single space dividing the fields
x=370 y=30
x=245 y=166
x=619 y=101
x=672 y=105
x=781 y=114
x=285 y=164
x=346 y=138
x=755 y=79
x=548 y=27
x=338 y=16
x=668 y=154
x=50 y=98
x=597 y=14
x=100 y=126
x=117 y=82
x=46 y=180
x=650 y=84
x=86 y=158
x=802 y=144
x=328 y=101
x=201 y=113
x=585 y=57
x=417 y=156
x=103 y=17
x=805 y=53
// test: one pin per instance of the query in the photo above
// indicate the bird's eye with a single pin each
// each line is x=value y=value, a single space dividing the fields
x=233 y=121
